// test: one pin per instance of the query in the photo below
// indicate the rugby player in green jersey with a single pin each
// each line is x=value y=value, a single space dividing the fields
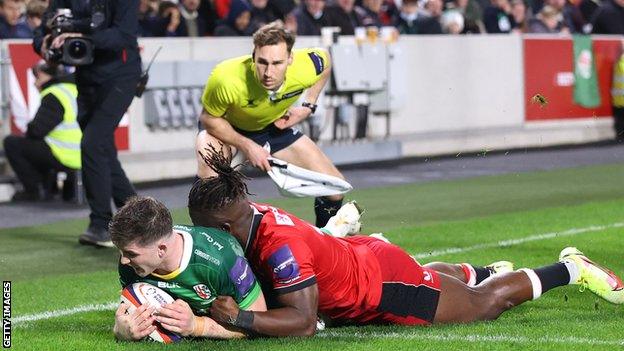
x=193 y=264
x=249 y=102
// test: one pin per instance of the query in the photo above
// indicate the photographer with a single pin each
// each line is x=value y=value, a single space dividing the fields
x=106 y=87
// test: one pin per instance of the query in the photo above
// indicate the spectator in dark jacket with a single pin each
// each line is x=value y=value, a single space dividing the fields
x=609 y=18
x=150 y=23
x=191 y=23
x=12 y=23
x=237 y=21
x=311 y=17
x=410 y=21
x=547 y=21
x=342 y=15
x=261 y=14
x=31 y=156
x=369 y=13
x=497 y=17
x=34 y=13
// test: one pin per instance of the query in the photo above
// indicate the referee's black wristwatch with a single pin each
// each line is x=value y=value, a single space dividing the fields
x=310 y=105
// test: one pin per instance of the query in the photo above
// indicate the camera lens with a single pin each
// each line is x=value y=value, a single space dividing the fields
x=77 y=49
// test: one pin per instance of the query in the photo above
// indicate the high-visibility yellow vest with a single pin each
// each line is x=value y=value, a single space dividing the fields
x=64 y=140
x=617 y=91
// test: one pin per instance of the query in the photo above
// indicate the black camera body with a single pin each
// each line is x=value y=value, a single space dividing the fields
x=75 y=51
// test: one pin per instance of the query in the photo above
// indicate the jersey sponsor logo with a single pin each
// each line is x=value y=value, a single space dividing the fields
x=284 y=265
x=241 y=276
x=167 y=285
x=281 y=218
x=317 y=60
x=202 y=291
x=207 y=257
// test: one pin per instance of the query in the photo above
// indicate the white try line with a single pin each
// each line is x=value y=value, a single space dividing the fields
x=20 y=320
x=66 y=312
x=510 y=242
x=472 y=338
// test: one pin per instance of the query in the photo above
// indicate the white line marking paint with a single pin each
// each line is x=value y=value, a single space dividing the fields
x=511 y=242
x=472 y=338
x=21 y=320
x=66 y=312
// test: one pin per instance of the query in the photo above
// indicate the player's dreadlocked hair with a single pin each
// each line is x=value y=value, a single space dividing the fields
x=218 y=192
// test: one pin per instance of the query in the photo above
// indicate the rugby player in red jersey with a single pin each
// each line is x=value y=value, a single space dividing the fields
x=359 y=279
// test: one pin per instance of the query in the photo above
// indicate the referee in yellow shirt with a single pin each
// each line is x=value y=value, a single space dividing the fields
x=248 y=102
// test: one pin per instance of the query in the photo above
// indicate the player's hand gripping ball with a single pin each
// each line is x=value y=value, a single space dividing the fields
x=138 y=294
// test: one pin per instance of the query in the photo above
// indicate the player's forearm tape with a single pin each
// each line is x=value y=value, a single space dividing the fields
x=198 y=329
x=244 y=319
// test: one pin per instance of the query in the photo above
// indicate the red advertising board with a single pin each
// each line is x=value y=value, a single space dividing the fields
x=23 y=91
x=549 y=71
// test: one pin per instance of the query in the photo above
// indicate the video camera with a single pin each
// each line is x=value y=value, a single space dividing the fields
x=75 y=51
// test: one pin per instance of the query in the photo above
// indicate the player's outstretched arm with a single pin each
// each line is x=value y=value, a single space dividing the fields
x=296 y=318
x=179 y=318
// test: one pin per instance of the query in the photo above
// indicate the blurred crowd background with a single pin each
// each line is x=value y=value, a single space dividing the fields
x=196 y=18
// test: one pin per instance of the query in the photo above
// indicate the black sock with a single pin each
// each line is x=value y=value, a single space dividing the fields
x=553 y=276
x=325 y=209
x=482 y=274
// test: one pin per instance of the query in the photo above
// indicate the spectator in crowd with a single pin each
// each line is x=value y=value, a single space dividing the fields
x=191 y=23
x=282 y=8
x=571 y=16
x=52 y=139
x=547 y=21
x=261 y=14
x=34 y=13
x=12 y=22
x=311 y=17
x=222 y=8
x=471 y=11
x=341 y=14
x=290 y=22
x=151 y=24
x=237 y=21
x=410 y=21
x=587 y=8
x=369 y=13
x=207 y=12
x=609 y=18
x=171 y=14
x=433 y=8
x=497 y=17
x=520 y=15
x=452 y=22
x=388 y=12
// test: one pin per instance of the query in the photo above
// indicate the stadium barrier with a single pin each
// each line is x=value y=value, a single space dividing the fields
x=445 y=95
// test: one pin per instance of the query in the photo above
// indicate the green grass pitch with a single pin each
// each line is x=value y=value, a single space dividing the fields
x=472 y=220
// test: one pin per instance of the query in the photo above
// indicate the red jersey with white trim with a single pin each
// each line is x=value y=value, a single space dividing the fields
x=291 y=254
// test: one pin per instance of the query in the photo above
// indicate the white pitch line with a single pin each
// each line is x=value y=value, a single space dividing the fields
x=472 y=338
x=510 y=242
x=113 y=305
x=66 y=312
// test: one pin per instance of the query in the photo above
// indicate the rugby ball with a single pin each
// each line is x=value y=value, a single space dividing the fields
x=138 y=294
